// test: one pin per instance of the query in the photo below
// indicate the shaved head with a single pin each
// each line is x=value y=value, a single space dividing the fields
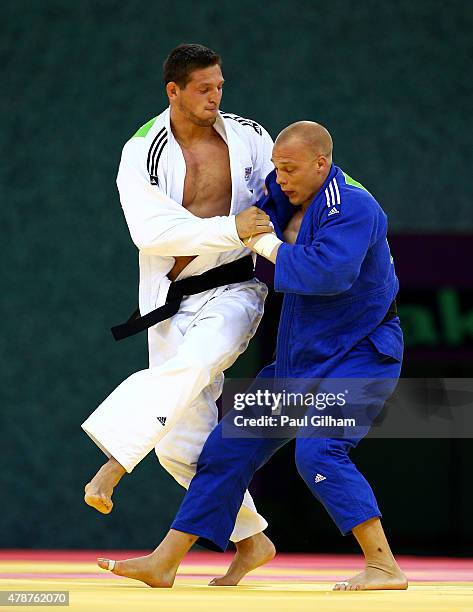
x=302 y=157
x=310 y=135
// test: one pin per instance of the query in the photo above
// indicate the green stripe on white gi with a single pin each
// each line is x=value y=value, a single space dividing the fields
x=144 y=129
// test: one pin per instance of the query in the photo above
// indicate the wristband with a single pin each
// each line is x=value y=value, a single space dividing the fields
x=264 y=245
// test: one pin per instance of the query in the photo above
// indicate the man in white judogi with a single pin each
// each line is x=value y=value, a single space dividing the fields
x=187 y=181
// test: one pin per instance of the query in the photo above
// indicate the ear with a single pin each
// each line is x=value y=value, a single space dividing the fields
x=172 y=89
x=322 y=163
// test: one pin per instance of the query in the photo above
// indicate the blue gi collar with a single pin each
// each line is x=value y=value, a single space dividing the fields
x=306 y=221
x=331 y=174
x=276 y=204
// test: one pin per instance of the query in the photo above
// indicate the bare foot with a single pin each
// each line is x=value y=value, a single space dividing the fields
x=98 y=492
x=147 y=569
x=374 y=578
x=251 y=553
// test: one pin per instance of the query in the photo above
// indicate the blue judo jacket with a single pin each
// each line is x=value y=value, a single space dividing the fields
x=338 y=279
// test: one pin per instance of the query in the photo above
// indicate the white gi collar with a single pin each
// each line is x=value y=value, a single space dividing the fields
x=176 y=167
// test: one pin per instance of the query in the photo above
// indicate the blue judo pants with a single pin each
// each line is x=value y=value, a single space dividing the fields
x=227 y=465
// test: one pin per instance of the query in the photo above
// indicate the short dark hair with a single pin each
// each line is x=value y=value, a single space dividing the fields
x=184 y=59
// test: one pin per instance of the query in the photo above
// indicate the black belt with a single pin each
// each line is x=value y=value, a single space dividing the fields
x=237 y=271
x=392 y=312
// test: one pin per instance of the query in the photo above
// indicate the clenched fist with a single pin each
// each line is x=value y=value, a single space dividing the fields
x=251 y=222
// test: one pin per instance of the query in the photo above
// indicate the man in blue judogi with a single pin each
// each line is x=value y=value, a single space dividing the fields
x=338 y=321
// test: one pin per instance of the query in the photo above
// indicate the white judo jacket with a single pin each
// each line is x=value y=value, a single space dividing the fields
x=151 y=184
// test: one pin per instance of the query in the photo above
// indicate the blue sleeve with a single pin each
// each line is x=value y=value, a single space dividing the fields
x=267 y=205
x=276 y=205
x=331 y=263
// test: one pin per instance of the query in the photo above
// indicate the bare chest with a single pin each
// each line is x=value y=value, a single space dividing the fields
x=293 y=227
x=208 y=185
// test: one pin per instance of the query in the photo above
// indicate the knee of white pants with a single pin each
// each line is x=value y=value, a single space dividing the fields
x=188 y=368
x=204 y=364
x=248 y=522
x=215 y=340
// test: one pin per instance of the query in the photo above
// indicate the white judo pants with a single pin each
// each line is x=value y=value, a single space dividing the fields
x=187 y=356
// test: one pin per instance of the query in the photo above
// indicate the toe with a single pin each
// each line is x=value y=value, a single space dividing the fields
x=108 y=564
x=341 y=586
x=106 y=504
x=219 y=582
x=100 y=503
x=103 y=563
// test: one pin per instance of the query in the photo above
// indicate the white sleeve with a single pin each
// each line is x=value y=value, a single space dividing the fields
x=263 y=150
x=160 y=226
